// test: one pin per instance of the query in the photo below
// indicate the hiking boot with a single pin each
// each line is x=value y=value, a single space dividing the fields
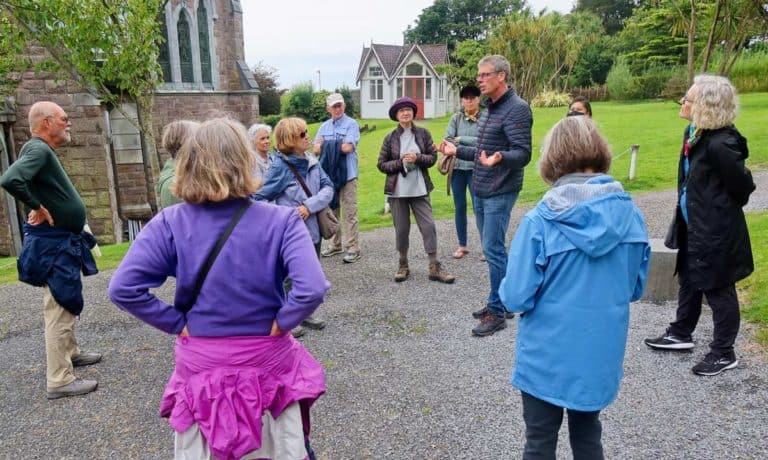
x=479 y=314
x=489 y=325
x=351 y=257
x=86 y=358
x=75 y=388
x=310 y=322
x=402 y=272
x=713 y=364
x=298 y=331
x=669 y=341
x=436 y=273
x=330 y=252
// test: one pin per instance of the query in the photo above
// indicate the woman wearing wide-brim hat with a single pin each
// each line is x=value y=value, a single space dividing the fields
x=406 y=155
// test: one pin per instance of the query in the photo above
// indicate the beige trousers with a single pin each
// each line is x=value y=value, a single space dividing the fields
x=349 y=224
x=60 y=342
x=281 y=439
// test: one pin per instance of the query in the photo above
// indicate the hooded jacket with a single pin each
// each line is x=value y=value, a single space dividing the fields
x=576 y=262
x=715 y=250
x=281 y=186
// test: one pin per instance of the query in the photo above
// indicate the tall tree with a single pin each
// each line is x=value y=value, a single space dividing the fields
x=109 y=47
x=269 y=97
x=453 y=21
x=613 y=13
x=543 y=50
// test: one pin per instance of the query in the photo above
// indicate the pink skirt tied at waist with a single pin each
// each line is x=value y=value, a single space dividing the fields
x=225 y=383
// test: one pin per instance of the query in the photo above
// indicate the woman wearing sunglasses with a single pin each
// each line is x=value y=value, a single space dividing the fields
x=282 y=187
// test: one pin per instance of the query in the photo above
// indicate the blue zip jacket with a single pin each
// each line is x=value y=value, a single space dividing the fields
x=54 y=257
x=334 y=164
x=280 y=186
x=576 y=262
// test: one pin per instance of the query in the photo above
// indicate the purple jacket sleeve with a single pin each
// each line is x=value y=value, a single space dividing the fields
x=149 y=262
x=303 y=268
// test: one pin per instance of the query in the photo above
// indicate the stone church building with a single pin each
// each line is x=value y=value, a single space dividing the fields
x=204 y=74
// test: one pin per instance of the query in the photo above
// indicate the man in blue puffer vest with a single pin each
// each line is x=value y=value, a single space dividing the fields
x=502 y=151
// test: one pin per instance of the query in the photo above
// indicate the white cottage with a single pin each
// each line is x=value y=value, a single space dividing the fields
x=387 y=72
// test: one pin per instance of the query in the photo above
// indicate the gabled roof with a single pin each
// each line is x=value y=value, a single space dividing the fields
x=392 y=57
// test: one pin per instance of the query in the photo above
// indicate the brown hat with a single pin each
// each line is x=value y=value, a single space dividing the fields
x=404 y=101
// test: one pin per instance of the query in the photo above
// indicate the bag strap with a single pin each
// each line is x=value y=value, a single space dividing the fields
x=213 y=254
x=299 y=179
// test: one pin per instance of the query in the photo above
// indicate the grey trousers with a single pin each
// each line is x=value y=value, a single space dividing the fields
x=401 y=217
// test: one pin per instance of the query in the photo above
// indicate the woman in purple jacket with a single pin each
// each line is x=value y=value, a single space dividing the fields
x=241 y=385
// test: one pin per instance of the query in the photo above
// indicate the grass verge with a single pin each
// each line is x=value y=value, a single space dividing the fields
x=755 y=302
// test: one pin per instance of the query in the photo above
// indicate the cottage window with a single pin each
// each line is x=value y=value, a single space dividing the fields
x=428 y=88
x=399 y=87
x=377 y=90
x=414 y=70
x=375 y=71
x=441 y=89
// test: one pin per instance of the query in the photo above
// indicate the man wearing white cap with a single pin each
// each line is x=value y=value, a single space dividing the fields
x=345 y=130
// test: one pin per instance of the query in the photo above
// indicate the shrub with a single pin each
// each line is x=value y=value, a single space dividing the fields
x=749 y=72
x=297 y=102
x=271 y=120
x=619 y=80
x=551 y=99
x=651 y=84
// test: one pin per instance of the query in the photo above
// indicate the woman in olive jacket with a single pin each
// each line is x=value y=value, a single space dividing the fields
x=406 y=155
x=709 y=229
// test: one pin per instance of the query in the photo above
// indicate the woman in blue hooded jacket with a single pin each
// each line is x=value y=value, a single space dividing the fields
x=577 y=260
x=283 y=188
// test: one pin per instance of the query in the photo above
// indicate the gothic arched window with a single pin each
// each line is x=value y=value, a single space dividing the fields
x=205 y=49
x=185 y=49
x=164 y=59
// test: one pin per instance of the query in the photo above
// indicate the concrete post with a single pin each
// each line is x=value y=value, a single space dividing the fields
x=633 y=161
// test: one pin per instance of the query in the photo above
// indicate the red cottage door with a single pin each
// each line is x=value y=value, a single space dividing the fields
x=414 y=88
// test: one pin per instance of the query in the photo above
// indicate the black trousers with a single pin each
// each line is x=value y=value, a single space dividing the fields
x=725 y=314
x=542 y=424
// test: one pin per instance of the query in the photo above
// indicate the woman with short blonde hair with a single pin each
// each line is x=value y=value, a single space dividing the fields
x=282 y=185
x=210 y=164
x=241 y=387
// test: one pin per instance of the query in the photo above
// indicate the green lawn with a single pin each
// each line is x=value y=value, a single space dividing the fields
x=754 y=290
x=655 y=126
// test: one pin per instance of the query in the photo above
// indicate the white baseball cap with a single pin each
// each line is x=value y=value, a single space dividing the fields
x=333 y=99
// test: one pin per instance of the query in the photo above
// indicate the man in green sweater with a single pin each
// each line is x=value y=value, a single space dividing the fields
x=55 y=210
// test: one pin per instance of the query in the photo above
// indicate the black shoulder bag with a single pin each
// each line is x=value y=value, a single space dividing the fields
x=212 y=256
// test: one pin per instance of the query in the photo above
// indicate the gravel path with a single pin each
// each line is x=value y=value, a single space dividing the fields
x=405 y=378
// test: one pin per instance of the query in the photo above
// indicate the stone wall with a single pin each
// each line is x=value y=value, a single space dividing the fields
x=85 y=159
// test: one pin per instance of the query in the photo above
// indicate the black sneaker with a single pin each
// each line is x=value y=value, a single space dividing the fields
x=489 y=325
x=713 y=364
x=479 y=314
x=669 y=341
x=310 y=322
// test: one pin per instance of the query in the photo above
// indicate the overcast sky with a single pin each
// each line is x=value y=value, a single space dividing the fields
x=300 y=37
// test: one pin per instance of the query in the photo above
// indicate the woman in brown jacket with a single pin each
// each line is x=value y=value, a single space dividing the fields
x=406 y=156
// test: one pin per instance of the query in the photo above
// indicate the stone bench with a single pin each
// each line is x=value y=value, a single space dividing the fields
x=662 y=285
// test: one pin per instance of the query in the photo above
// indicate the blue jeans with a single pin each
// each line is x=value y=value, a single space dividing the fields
x=461 y=180
x=492 y=215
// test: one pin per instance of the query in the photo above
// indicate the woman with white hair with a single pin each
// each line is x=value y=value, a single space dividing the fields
x=258 y=138
x=709 y=229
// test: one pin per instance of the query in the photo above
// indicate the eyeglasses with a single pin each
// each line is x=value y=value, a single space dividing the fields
x=685 y=100
x=337 y=105
x=485 y=75
x=303 y=134
x=65 y=118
